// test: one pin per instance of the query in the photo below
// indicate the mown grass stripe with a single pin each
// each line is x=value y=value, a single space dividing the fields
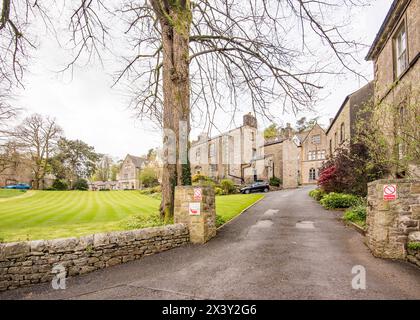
x=53 y=214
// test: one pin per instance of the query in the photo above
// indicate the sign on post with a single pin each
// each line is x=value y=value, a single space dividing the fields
x=197 y=194
x=194 y=208
x=390 y=191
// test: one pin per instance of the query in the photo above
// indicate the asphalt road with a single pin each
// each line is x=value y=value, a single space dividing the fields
x=266 y=253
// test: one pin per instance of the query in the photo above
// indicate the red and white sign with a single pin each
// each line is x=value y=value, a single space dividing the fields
x=194 y=208
x=390 y=191
x=197 y=194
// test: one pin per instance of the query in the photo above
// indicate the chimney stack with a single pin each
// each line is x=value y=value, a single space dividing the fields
x=250 y=120
x=203 y=136
x=288 y=131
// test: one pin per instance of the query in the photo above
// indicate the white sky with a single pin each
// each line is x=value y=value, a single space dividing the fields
x=87 y=109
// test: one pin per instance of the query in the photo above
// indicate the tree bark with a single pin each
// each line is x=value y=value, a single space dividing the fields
x=175 y=25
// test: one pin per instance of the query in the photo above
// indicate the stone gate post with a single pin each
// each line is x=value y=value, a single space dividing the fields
x=393 y=218
x=195 y=206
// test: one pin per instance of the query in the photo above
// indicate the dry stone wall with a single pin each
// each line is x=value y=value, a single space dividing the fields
x=30 y=262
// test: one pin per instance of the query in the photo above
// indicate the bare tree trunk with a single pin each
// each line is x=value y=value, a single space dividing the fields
x=176 y=92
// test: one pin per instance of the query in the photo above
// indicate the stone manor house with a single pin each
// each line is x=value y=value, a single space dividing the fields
x=244 y=156
x=127 y=177
x=295 y=157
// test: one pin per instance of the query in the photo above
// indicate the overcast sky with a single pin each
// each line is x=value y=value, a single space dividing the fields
x=89 y=110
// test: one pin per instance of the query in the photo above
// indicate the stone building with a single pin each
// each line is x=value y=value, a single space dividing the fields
x=223 y=156
x=313 y=145
x=342 y=127
x=103 y=185
x=18 y=172
x=128 y=176
x=294 y=157
x=395 y=53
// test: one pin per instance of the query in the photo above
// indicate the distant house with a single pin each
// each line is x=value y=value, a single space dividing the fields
x=20 y=171
x=128 y=176
x=103 y=185
x=313 y=144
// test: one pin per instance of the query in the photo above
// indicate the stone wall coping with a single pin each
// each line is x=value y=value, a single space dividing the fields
x=23 y=248
x=387 y=181
x=193 y=187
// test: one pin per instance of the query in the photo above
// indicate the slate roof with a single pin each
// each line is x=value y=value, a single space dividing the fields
x=138 y=161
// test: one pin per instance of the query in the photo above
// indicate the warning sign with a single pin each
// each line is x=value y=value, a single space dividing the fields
x=390 y=192
x=197 y=194
x=194 y=208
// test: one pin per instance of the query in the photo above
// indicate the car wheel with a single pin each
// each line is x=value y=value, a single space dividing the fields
x=247 y=191
x=266 y=190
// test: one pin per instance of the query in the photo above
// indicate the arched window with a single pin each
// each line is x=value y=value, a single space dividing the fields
x=312 y=174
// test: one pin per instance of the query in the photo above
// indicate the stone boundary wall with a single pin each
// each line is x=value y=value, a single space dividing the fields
x=391 y=225
x=30 y=262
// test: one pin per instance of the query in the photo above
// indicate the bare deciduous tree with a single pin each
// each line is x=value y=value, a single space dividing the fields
x=205 y=54
x=9 y=156
x=37 y=136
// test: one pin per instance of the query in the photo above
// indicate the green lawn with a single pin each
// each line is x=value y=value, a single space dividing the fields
x=8 y=193
x=228 y=207
x=57 y=214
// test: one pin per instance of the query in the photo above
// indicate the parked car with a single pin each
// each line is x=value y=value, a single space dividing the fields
x=20 y=186
x=256 y=187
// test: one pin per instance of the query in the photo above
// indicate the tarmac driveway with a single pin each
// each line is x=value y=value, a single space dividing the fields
x=285 y=247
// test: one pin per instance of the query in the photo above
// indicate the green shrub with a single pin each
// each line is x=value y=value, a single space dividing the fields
x=209 y=183
x=59 y=184
x=218 y=191
x=340 y=200
x=220 y=220
x=356 y=214
x=81 y=184
x=317 y=194
x=141 y=221
x=156 y=195
x=274 y=181
x=148 y=191
x=228 y=186
x=156 y=189
x=199 y=177
x=105 y=189
x=413 y=245
x=148 y=177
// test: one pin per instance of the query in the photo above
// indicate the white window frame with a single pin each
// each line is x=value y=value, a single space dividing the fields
x=312 y=174
x=342 y=132
x=212 y=150
x=311 y=155
x=400 y=50
x=316 y=139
